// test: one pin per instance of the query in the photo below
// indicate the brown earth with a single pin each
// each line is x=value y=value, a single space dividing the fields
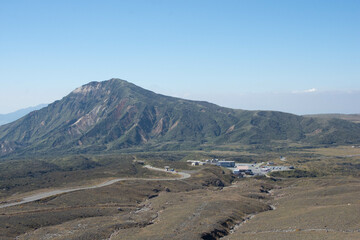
x=204 y=206
x=320 y=208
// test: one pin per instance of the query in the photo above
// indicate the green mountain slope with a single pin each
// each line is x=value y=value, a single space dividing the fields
x=115 y=114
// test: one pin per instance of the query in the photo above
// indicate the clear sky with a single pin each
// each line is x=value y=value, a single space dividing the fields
x=297 y=56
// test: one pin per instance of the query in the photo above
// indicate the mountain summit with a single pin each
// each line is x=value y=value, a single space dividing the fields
x=117 y=115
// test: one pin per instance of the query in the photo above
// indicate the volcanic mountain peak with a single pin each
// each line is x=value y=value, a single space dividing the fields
x=87 y=88
x=95 y=86
x=117 y=115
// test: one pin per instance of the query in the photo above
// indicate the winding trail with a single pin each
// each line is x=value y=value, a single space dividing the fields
x=43 y=195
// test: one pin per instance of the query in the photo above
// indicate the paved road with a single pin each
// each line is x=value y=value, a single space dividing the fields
x=183 y=175
x=107 y=183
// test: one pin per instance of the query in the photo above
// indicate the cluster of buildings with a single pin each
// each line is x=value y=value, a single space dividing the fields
x=243 y=169
x=216 y=162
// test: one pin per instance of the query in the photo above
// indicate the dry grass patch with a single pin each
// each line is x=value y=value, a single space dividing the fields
x=309 y=209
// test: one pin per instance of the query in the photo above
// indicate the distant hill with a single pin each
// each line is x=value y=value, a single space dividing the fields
x=116 y=115
x=349 y=117
x=10 y=117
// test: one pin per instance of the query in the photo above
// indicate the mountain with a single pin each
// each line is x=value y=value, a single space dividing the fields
x=117 y=115
x=10 y=117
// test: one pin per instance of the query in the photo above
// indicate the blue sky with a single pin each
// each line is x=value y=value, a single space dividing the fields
x=297 y=56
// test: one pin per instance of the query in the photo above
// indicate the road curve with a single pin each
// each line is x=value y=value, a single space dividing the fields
x=43 y=195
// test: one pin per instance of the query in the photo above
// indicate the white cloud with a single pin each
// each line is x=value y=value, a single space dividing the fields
x=311 y=90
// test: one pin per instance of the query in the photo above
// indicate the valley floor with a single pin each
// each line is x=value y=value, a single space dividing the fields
x=321 y=208
x=202 y=206
x=321 y=200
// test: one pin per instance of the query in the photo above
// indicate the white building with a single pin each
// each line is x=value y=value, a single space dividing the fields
x=226 y=163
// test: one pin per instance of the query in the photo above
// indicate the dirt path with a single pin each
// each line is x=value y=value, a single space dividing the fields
x=42 y=195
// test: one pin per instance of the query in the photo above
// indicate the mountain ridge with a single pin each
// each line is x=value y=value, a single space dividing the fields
x=117 y=115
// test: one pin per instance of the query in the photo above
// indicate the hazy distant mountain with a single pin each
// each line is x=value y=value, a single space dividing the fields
x=349 y=117
x=10 y=117
x=117 y=115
